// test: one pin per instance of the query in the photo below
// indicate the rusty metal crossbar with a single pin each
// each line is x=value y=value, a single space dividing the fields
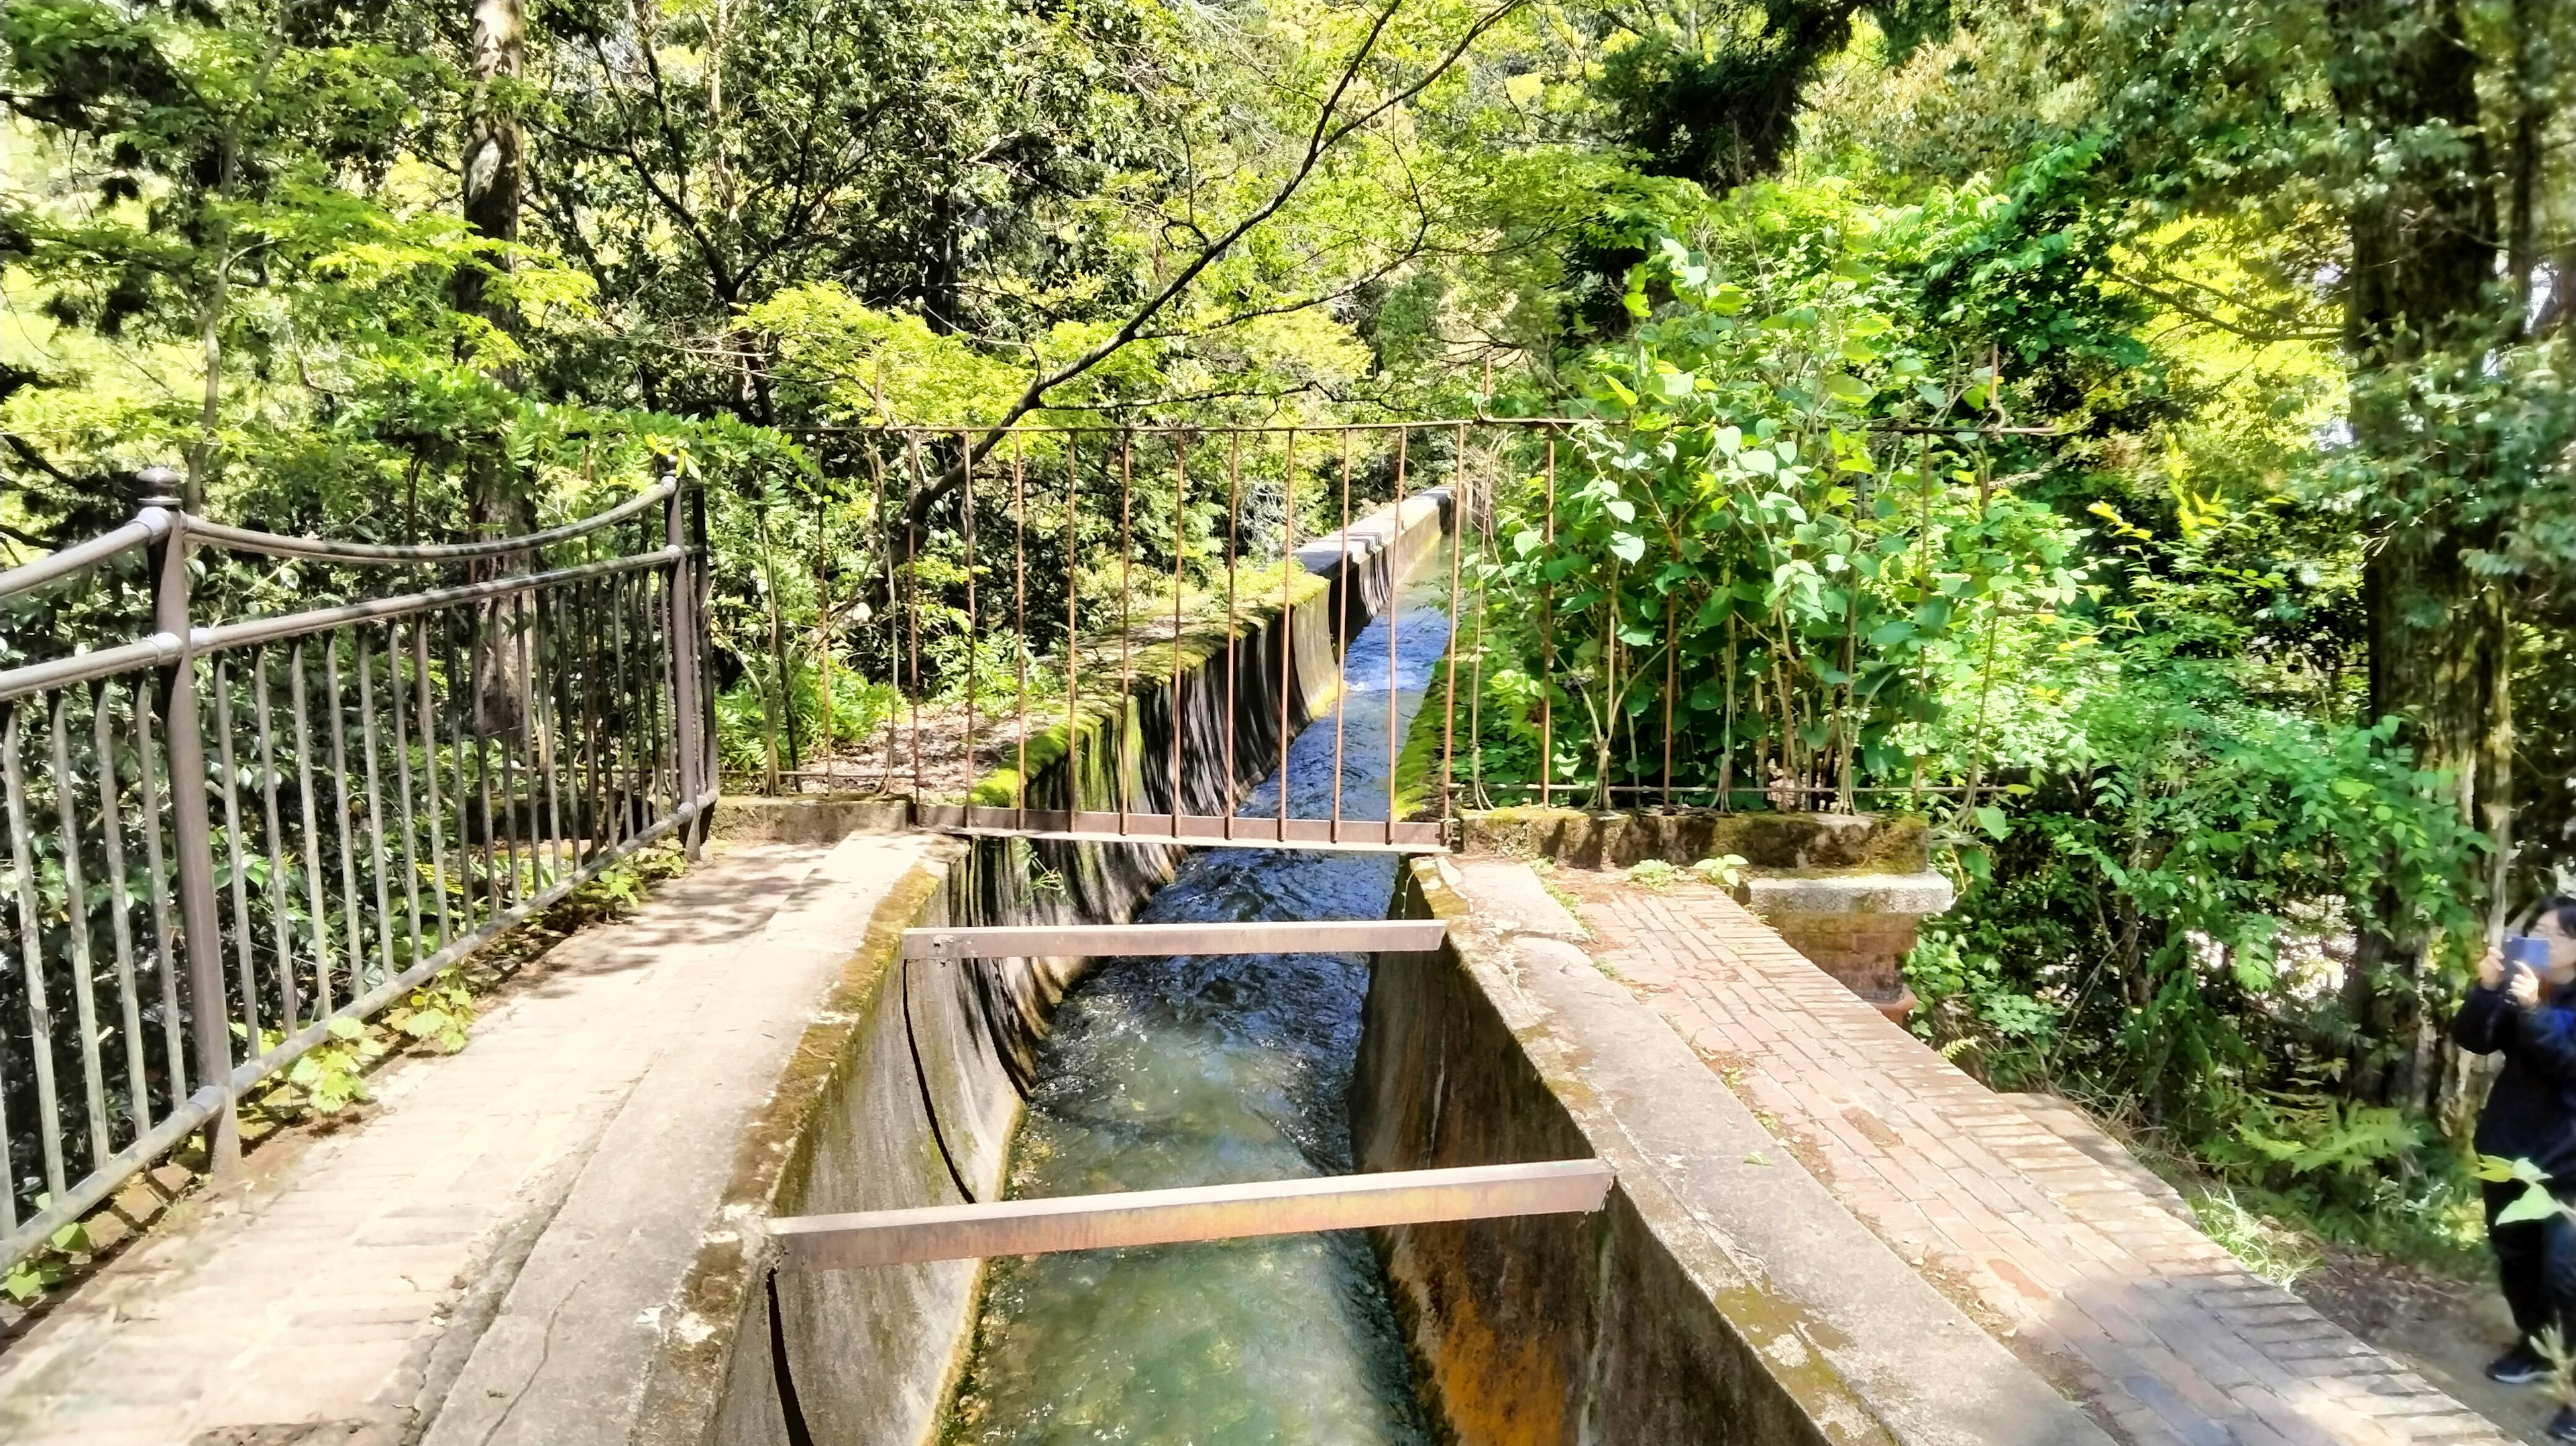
x=1197 y=830
x=1304 y=936
x=1198 y=1213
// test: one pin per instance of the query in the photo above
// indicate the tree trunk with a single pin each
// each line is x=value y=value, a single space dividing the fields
x=497 y=502
x=495 y=168
x=2440 y=637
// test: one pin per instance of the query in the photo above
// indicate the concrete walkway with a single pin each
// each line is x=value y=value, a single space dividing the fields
x=2081 y=1261
x=348 y=1290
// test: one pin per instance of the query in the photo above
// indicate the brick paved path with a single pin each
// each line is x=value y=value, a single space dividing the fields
x=2092 y=1273
x=328 y=1298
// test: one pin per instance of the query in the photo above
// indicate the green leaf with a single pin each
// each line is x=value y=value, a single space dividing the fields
x=1627 y=546
x=2536 y=1203
x=1727 y=299
x=1992 y=820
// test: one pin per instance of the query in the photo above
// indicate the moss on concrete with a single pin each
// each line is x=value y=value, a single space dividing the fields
x=1836 y=842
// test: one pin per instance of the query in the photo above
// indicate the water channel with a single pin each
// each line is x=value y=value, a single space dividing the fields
x=1192 y=1071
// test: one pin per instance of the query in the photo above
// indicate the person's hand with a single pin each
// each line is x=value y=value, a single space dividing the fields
x=2526 y=989
x=2491 y=969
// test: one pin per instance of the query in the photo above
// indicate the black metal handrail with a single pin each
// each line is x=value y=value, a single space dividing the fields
x=223 y=839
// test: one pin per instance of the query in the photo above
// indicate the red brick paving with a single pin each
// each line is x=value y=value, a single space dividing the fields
x=2094 y=1273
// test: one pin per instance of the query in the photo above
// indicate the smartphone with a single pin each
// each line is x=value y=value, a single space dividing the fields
x=2523 y=952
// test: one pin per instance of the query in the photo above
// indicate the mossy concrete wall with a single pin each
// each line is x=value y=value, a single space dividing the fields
x=1849 y=891
x=1858 y=842
x=908 y=1085
x=1722 y=1298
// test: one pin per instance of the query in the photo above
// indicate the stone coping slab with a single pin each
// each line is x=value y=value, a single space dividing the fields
x=1854 y=1345
x=2088 y=1266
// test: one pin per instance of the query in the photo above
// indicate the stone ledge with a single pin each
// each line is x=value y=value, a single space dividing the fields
x=1914 y=895
x=1768 y=841
x=821 y=818
x=1723 y=1297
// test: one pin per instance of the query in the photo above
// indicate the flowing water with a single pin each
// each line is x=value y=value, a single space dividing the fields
x=1202 y=1071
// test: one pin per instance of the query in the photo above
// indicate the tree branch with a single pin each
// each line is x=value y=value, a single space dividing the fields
x=1320 y=140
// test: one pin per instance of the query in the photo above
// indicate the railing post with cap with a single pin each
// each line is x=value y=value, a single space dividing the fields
x=684 y=659
x=183 y=739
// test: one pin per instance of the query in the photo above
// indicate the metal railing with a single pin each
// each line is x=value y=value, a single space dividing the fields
x=993 y=588
x=226 y=838
x=1054 y=613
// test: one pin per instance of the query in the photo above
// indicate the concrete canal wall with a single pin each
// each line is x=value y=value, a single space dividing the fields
x=1723 y=1297
x=906 y=1088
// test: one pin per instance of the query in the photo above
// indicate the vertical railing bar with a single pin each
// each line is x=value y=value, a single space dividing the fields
x=1020 y=609
x=22 y=875
x=395 y=709
x=1353 y=589
x=76 y=931
x=536 y=759
x=621 y=609
x=912 y=603
x=668 y=620
x=184 y=744
x=771 y=777
x=120 y=902
x=563 y=669
x=609 y=827
x=289 y=998
x=1233 y=505
x=697 y=724
x=475 y=646
x=460 y=689
x=1180 y=556
x=365 y=658
x=823 y=639
x=1669 y=648
x=966 y=510
x=594 y=791
x=249 y=979
x=700 y=733
x=1609 y=731
x=31 y=937
x=1126 y=614
x=345 y=822
x=1072 y=624
x=893 y=638
x=158 y=870
x=429 y=772
x=1458 y=497
x=1394 y=621
x=1726 y=746
x=1287 y=617
x=1476 y=668
x=646 y=698
x=504 y=650
x=319 y=923
x=1547 y=642
x=535 y=747
x=545 y=815
x=665 y=686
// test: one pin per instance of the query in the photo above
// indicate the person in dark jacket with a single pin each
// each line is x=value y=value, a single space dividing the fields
x=2531 y=1115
